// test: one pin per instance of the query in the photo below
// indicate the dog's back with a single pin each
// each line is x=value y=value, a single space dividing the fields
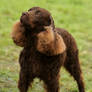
x=68 y=39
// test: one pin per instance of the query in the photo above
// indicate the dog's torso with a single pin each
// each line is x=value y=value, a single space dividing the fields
x=68 y=39
x=39 y=64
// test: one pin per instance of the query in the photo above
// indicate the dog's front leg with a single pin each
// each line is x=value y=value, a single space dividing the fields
x=24 y=81
x=52 y=85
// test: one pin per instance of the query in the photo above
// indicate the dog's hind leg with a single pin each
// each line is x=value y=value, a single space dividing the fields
x=24 y=82
x=73 y=67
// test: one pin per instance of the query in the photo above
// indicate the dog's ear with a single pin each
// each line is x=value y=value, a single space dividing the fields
x=17 y=34
x=50 y=42
x=49 y=22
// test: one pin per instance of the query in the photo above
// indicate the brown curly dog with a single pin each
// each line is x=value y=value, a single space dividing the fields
x=45 y=49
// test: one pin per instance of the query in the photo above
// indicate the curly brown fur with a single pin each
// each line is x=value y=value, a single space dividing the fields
x=40 y=34
x=50 y=43
x=18 y=34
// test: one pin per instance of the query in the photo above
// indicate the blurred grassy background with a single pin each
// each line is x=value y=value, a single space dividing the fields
x=73 y=15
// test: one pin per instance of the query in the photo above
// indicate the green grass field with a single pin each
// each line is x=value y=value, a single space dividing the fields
x=73 y=15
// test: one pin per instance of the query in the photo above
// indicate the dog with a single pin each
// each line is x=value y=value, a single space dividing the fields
x=45 y=49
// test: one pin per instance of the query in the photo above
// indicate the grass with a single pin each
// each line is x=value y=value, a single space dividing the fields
x=73 y=15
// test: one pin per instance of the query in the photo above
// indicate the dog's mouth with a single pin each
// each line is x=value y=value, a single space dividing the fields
x=24 y=18
x=25 y=21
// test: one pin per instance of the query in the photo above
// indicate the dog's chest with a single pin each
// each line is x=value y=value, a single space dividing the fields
x=35 y=63
x=30 y=61
x=35 y=66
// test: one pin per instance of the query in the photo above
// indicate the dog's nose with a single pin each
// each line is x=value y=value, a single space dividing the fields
x=24 y=13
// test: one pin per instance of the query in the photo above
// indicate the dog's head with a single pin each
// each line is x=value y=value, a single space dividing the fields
x=31 y=23
x=36 y=28
x=36 y=18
